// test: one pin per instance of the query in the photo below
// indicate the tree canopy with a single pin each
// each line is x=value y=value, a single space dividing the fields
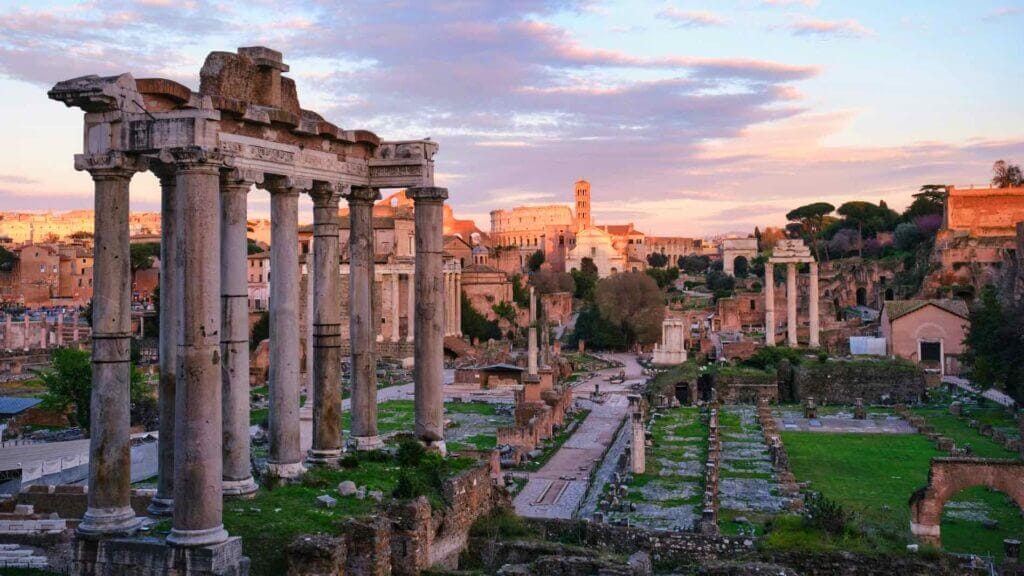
x=535 y=261
x=1007 y=175
x=633 y=302
x=657 y=260
x=995 y=344
x=811 y=218
x=142 y=255
x=68 y=384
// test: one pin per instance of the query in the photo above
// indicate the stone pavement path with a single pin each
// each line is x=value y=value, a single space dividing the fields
x=557 y=490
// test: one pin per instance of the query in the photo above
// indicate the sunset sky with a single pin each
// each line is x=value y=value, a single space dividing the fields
x=688 y=118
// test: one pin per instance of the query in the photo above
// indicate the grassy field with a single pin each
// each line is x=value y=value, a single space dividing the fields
x=873 y=475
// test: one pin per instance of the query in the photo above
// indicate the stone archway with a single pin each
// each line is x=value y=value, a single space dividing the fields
x=862 y=296
x=741 y=266
x=948 y=476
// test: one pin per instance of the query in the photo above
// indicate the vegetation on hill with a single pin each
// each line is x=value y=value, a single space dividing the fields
x=994 y=346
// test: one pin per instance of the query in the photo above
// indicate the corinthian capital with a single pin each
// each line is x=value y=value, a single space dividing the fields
x=326 y=194
x=112 y=163
x=362 y=195
x=427 y=194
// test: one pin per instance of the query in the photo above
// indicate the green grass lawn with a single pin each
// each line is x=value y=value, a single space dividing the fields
x=873 y=475
x=956 y=428
x=675 y=435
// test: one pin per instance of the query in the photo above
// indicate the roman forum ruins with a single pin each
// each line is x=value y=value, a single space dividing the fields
x=243 y=128
x=791 y=253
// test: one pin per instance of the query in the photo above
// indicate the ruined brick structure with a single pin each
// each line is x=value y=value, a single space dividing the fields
x=947 y=476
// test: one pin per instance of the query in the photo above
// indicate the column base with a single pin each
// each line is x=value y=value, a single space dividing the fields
x=246 y=488
x=290 y=471
x=365 y=443
x=436 y=446
x=197 y=538
x=328 y=458
x=154 y=556
x=161 y=506
x=107 y=522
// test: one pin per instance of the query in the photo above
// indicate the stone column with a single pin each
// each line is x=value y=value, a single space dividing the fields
x=410 y=311
x=285 y=458
x=395 y=319
x=59 y=337
x=327 y=440
x=428 y=372
x=791 y=301
x=234 y=340
x=170 y=335
x=638 y=438
x=198 y=466
x=532 y=336
x=26 y=331
x=813 y=307
x=362 y=321
x=458 y=305
x=109 y=510
x=769 y=304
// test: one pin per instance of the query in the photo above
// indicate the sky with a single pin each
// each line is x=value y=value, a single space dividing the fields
x=688 y=118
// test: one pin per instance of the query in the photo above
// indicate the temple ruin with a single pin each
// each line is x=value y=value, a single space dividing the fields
x=791 y=253
x=243 y=128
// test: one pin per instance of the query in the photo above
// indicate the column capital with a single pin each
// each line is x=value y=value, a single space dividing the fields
x=361 y=195
x=326 y=194
x=240 y=178
x=287 y=185
x=427 y=194
x=195 y=158
x=112 y=164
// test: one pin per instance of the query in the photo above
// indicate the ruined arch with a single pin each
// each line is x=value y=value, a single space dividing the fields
x=947 y=476
x=862 y=296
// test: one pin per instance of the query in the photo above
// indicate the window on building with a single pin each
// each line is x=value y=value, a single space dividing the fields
x=593 y=251
x=753 y=304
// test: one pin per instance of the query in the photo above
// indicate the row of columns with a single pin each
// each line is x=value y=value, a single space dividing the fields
x=44 y=331
x=204 y=450
x=394 y=282
x=453 y=304
x=791 y=304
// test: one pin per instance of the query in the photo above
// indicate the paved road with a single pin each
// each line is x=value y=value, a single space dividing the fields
x=557 y=490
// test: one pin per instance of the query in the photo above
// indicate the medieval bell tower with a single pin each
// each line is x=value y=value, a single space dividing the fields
x=582 y=205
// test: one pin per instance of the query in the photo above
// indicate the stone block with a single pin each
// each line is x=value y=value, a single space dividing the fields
x=315 y=555
x=326 y=501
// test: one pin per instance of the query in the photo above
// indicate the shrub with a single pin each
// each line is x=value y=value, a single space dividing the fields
x=410 y=453
x=349 y=461
x=825 y=514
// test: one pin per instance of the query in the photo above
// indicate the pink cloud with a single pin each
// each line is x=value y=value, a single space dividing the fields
x=691 y=18
x=830 y=28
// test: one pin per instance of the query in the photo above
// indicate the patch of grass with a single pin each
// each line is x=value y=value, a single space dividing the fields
x=953 y=427
x=964 y=535
x=268 y=522
x=476 y=442
x=872 y=475
x=482 y=408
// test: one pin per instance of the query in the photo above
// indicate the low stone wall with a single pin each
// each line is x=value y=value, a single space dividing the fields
x=842 y=382
x=778 y=454
x=745 y=386
x=70 y=501
x=406 y=537
x=666 y=548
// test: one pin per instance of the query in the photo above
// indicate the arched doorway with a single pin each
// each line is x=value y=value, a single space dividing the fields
x=740 y=267
x=862 y=296
x=889 y=294
x=683 y=393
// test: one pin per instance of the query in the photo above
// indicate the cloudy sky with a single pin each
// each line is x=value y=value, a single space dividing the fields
x=688 y=118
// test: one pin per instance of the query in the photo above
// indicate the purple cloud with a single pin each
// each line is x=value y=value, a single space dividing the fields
x=829 y=28
x=691 y=18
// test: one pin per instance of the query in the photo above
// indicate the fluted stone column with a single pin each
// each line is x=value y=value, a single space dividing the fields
x=362 y=321
x=327 y=440
x=769 y=304
x=410 y=313
x=170 y=335
x=791 y=302
x=198 y=430
x=234 y=341
x=813 y=307
x=428 y=372
x=109 y=509
x=285 y=459
x=395 y=319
